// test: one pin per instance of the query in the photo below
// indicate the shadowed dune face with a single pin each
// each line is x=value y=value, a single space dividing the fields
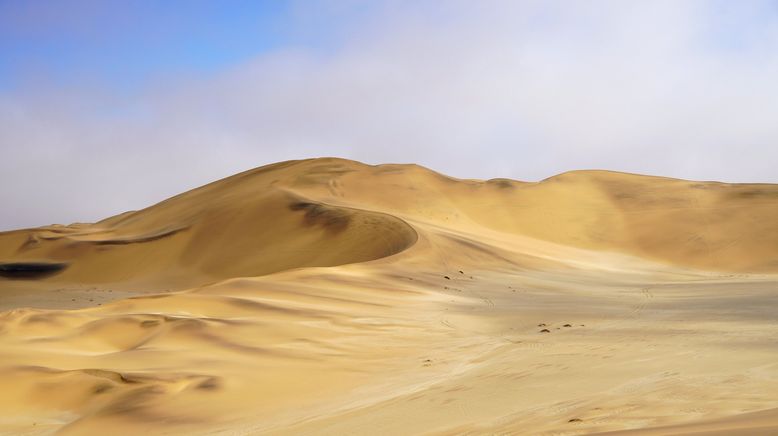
x=325 y=296
x=191 y=241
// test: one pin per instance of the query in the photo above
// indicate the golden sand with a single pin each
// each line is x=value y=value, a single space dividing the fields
x=326 y=296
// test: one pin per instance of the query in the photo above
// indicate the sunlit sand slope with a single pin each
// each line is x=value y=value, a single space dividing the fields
x=327 y=296
x=234 y=228
x=706 y=225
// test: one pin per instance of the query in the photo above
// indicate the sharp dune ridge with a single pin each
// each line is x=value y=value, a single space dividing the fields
x=327 y=296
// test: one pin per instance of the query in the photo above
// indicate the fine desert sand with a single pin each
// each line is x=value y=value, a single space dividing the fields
x=326 y=296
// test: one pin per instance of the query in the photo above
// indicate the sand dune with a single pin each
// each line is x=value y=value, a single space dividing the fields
x=216 y=232
x=326 y=296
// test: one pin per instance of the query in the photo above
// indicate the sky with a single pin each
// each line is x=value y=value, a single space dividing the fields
x=108 y=106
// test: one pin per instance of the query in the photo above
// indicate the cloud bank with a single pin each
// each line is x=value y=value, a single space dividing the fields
x=518 y=89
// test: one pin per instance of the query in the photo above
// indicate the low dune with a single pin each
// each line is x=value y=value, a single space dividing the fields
x=326 y=296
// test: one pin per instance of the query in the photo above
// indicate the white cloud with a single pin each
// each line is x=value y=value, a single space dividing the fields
x=473 y=89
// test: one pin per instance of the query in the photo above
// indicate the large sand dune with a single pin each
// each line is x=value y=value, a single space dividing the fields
x=326 y=296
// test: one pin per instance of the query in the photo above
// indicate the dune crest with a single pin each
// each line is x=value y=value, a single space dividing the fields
x=326 y=296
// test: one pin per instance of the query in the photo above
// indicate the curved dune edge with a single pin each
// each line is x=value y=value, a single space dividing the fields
x=437 y=320
x=270 y=231
x=703 y=225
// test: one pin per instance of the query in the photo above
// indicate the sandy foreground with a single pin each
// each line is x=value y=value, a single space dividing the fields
x=325 y=296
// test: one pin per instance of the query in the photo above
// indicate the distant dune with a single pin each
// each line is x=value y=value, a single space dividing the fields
x=326 y=296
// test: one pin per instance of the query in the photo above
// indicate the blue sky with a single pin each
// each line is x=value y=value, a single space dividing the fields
x=186 y=92
x=129 y=43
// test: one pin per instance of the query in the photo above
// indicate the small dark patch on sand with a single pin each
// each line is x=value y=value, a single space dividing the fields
x=149 y=323
x=447 y=277
x=209 y=384
x=332 y=219
x=30 y=270
x=140 y=238
x=545 y=331
x=575 y=420
x=501 y=183
x=102 y=387
x=567 y=325
x=764 y=193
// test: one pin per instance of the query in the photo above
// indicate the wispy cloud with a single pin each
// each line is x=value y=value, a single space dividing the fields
x=473 y=89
